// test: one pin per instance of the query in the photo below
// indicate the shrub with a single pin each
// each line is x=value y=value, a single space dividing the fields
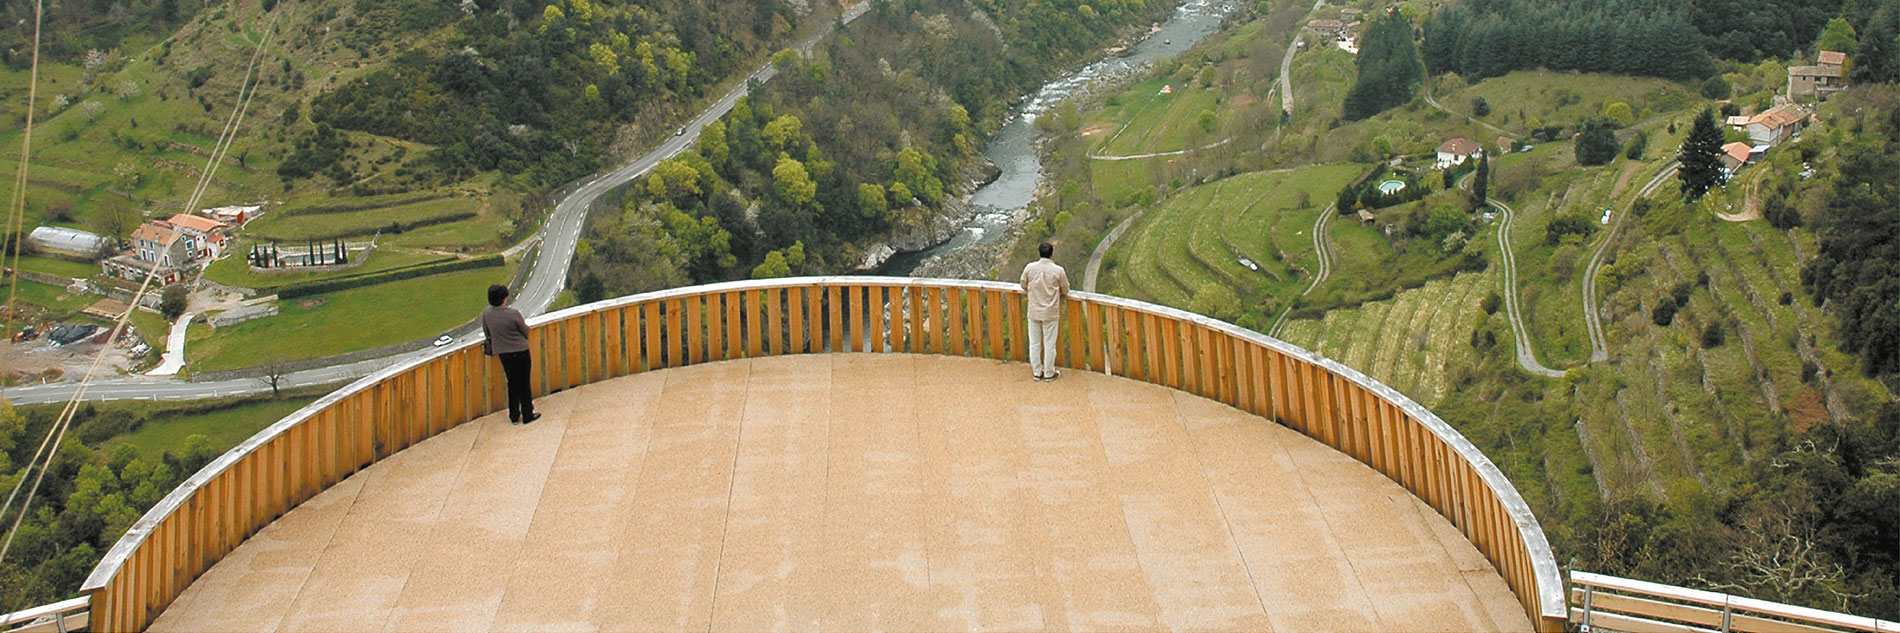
x=1712 y=335
x=1716 y=88
x=1664 y=313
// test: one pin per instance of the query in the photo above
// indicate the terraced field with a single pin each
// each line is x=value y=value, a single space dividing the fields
x=1199 y=236
x=1156 y=122
x=1406 y=342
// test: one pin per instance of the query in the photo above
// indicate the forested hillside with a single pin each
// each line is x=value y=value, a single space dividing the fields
x=1487 y=38
x=883 y=123
x=537 y=89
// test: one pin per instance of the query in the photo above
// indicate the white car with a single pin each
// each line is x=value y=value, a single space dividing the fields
x=444 y=340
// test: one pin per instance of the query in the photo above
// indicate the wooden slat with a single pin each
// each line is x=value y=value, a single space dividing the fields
x=650 y=335
x=752 y=308
x=675 y=329
x=1018 y=321
x=994 y=302
x=953 y=303
x=704 y=339
x=570 y=354
x=815 y=319
x=834 y=319
x=973 y=316
x=795 y=320
x=1070 y=348
x=914 y=341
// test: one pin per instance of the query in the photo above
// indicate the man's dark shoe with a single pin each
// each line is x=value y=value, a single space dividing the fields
x=1054 y=375
x=531 y=417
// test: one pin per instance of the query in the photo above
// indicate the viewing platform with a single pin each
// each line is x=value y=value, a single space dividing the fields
x=859 y=492
x=847 y=453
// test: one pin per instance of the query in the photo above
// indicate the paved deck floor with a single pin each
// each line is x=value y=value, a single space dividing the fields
x=859 y=492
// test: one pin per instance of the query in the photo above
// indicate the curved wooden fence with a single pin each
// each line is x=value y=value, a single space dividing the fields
x=392 y=409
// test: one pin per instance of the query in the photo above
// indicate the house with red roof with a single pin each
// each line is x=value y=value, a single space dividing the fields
x=1774 y=126
x=1734 y=155
x=1457 y=150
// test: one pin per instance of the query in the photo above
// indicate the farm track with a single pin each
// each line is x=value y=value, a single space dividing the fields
x=1526 y=355
x=1592 y=321
x=1322 y=248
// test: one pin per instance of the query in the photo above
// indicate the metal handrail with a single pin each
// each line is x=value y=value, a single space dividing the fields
x=58 y=617
x=1640 y=605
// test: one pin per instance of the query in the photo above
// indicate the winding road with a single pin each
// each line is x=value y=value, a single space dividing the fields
x=1094 y=268
x=1599 y=346
x=1322 y=247
x=546 y=277
x=1286 y=63
x=1526 y=356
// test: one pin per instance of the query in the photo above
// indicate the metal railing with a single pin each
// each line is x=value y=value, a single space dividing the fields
x=1609 y=603
x=373 y=418
x=59 y=617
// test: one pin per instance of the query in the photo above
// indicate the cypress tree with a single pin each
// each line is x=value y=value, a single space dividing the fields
x=1701 y=157
x=1481 y=181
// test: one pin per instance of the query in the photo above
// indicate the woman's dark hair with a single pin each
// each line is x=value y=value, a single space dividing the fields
x=497 y=294
x=1045 y=249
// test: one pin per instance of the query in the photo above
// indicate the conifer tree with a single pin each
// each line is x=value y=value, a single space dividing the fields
x=1481 y=181
x=1701 y=157
x=1388 y=68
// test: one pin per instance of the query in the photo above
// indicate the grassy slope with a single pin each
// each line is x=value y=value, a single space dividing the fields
x=167 y=430
x=341 y=322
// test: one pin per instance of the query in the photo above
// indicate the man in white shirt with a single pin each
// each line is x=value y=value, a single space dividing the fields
x=1046 y=284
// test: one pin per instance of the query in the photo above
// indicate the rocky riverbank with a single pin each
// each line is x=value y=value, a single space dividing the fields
x=919 y=227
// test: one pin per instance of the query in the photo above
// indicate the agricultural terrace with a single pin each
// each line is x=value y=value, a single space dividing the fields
x=1407 y=341
x=1198 y=236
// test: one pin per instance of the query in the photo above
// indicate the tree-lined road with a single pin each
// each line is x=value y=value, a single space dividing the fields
x=563 y=230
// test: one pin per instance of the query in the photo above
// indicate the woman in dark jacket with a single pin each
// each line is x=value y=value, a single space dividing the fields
x=507 y=334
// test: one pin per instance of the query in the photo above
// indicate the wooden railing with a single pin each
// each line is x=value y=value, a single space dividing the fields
x=373 y=418
x=1609 y=603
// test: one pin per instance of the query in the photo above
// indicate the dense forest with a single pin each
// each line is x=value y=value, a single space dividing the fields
x=1388 y=68
x=881 y=124
x=1751 y=30
x=90 y=496
x=1487 y=38
x=1857 y=271
x=536 y=90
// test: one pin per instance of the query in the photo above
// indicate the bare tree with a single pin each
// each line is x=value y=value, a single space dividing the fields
x=275 y=372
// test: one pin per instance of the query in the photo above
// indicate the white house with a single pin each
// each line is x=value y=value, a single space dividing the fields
x=1456 y=151
x=1773 y=127
x=208 y=237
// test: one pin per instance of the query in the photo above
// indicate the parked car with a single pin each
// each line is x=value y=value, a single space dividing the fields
x=444 y=340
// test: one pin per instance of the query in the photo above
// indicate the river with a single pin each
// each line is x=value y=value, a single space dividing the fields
x=1001 y=204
